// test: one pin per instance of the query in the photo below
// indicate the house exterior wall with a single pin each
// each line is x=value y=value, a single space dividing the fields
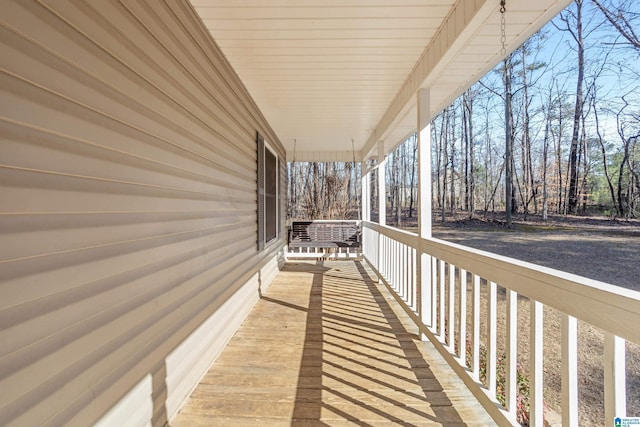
x=128 y=250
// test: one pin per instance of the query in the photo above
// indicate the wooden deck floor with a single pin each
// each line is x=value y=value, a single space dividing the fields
x=325 y=347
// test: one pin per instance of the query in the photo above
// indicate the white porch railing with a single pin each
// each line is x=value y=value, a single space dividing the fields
x=439 y=303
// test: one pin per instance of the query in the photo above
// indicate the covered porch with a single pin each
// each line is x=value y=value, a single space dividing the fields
x=369 y=342
x=328 y=345
x=141 y=227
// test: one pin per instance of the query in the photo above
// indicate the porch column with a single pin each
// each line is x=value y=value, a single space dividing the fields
x=382 y=208
x=366 y=187
x=424 y=294
x=382 y=188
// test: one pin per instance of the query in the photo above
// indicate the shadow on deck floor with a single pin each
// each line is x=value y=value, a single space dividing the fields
x=327 y=346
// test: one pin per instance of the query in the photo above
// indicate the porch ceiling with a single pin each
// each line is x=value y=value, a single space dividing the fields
x=324 y=73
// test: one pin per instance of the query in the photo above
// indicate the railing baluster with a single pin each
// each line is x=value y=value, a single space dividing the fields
x=536 y=410
x=366 y=242
x=475 y=366
x=615 y=393
x=391 y=263
x=512 y=351
x=569 y=371
x=399 y=272
x=422 y=274
x=395 y=266
x=405 y=277
x=434 y=291
x=391 y=259
x=462 y=325
x=452 y=310
x=441 y=312
x=386 y=255
x=376 y=249
x=380 y=254
x=399 y=268
x=491 y=338
x=410 y=279
x=414 y=279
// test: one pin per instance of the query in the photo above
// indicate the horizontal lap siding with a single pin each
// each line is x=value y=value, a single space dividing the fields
x=127 y=199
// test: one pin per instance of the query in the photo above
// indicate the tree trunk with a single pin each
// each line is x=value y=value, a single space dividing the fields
x=439 y=166
x=413 y=174
x=572 y=201
x=452 y=188
x=472 y=182
x=445 y=145
x=605 y=165
x=545 y=149
x=508 y=139
x=465 y=137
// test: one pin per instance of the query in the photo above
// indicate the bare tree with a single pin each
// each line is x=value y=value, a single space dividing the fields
x=469 y=154
x=622 y=19
x=508 y=160
x=626 y=145
x=573 y=25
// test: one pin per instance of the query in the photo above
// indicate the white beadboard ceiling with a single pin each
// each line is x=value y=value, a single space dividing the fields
x=326 y=72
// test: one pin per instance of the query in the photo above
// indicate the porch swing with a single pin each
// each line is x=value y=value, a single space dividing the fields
x=325 y=239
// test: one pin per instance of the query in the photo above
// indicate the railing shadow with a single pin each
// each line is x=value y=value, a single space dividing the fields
x=362 y=365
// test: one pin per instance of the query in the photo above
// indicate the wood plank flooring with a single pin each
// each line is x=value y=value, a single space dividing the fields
x=327 y=346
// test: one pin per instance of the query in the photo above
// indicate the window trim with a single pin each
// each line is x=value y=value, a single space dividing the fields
x=262 y=146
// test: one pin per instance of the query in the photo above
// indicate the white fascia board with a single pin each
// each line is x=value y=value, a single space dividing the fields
x=463 y=21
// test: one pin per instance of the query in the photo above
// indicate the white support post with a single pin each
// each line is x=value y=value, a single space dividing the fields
x=569 y=338
x=615 y=395
x=424 y=262
x=382 y=205
x=511 y=352
x=382 y=184
x=424 y=164
x=536 y=412
x=365 y=198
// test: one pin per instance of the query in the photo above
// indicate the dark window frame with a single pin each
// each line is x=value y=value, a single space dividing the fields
x=268 y=193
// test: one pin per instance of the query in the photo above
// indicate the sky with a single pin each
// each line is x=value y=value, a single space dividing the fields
x=617 y=66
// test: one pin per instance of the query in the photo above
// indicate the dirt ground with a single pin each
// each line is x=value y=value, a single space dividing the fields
x=573 y=245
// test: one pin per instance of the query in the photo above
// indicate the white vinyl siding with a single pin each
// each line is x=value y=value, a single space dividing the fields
x=127 y=203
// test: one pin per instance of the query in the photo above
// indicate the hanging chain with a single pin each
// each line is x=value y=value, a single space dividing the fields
x=503 y=31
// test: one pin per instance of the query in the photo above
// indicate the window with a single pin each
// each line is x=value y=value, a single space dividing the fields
x=268 y=217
